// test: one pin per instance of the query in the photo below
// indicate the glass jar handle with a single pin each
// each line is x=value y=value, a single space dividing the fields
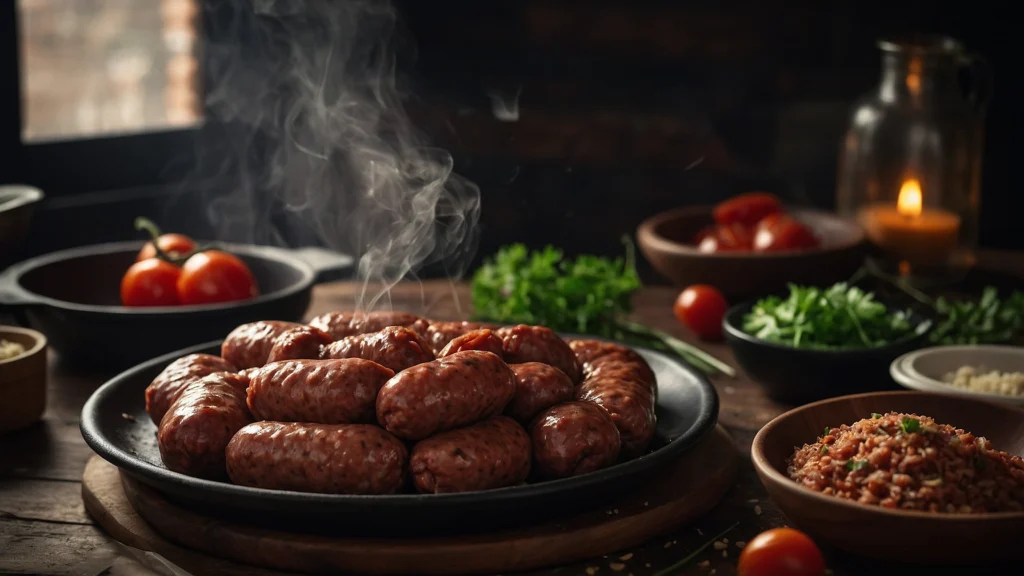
x=980 y=92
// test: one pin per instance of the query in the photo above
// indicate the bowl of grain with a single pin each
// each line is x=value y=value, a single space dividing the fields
x=986 y=372
x=895 y=475
x=22 y=377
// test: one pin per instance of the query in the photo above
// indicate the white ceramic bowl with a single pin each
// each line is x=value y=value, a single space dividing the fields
x=924 y=369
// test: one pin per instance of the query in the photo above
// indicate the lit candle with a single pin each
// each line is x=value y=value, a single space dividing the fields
x=910 y=232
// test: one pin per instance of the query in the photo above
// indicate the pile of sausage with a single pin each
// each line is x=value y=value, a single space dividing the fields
x=371 y=403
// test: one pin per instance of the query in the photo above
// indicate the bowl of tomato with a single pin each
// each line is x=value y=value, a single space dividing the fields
x=750 y=245
x=113 y=305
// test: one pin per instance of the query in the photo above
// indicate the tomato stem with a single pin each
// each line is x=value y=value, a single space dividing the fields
x=143 y=224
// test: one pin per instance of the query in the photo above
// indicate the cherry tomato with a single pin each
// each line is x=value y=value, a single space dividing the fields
x=172 y=244
x=215 y=276
x=700 y=308
x=151 y=282
x=706 y=232
x=777 y=233
x=746 y=209
x=731 y=238
x=781 y=552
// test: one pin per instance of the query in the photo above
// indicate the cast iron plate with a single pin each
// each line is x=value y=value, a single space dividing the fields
x=116 y=426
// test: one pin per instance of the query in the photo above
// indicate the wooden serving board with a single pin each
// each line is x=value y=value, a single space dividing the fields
x=141 y=517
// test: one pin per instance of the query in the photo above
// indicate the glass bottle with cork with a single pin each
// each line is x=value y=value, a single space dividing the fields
x=910 y=162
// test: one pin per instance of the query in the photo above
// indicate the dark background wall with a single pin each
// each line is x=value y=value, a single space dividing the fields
x=629 y=108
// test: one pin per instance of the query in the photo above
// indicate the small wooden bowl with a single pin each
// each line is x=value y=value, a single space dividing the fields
x=895 y=535
x=665 y=240
x=22 y=380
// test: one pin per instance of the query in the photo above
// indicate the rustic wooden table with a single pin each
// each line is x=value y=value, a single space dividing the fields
x=44 y=528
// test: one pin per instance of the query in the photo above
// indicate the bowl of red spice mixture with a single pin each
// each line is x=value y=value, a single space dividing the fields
x=911 y=462
x=893 y=475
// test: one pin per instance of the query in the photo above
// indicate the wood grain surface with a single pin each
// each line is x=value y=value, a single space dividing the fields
x=43 y=529
x=677 y=496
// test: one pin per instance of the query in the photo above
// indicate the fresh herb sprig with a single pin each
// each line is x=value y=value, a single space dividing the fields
x=987 y=320
x=585 y=295
x=840 y=316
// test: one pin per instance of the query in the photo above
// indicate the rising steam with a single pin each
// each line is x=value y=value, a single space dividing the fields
x=318 y=127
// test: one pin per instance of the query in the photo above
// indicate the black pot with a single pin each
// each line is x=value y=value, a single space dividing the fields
x=801 y=375
x=73 y=296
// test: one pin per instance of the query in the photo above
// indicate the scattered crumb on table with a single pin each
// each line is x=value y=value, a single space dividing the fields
x=617 y=566
x=704 y=564
x=591 y=570
x=741 y=545
x=625 y=557
x=127 y=416
x=757 y=510
x=699 y=533
x=725 y=553
x=719 y=545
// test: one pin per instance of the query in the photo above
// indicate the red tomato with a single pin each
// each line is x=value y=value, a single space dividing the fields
x=705 y=232
x=777 y=233
x=747 y=209
x=781 y=552
x=700 y=308
x=731 y=238
x=151 y=282
x=215 y=276
x=172 y=244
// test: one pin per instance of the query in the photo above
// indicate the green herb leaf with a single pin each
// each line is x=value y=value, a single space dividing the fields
x=854 y=465
x=585 y=295
x=910 y=425
x=827 y=430
x=824 y=449
x=840 y=316
x=876 y=415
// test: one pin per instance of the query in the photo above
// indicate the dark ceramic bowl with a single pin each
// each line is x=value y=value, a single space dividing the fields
x=17 y=203
x=73 y=296
x=800 y=375
x=665 y=240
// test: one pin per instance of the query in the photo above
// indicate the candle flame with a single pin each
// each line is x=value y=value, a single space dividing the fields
x=909 y=201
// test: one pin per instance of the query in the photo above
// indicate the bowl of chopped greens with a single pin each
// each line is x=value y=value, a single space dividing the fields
x=815 y=343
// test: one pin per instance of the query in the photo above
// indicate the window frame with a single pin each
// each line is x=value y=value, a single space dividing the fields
x=89 y=164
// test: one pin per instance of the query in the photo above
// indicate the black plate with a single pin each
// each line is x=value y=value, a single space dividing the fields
x=73 y=296
x=687 y=409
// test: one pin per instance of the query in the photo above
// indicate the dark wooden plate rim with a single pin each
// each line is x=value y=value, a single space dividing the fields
x=649 y=226
x=765 y=467
x=706 y=420
x=922 y=327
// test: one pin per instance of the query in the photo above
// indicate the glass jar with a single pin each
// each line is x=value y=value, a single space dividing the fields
x=910 y=164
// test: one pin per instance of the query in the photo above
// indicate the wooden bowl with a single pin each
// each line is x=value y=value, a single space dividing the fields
x=22 y=380
x=665 y=240
x=896 y=535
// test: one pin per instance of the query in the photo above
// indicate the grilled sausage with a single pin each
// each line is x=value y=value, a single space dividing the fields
x=599 y=358
x=301 y=342
x=322 y=458
x=524 y=343
x=167 y=386
x=249 y=345
x=538 y=386
x=573 y=438
x=439 y=334
x=482 y=339
x=491 y=454
x=631 y=407
x=395 y=347
x=447 y=393
x=198 y=426
x=342 y=324
x=321 y=391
